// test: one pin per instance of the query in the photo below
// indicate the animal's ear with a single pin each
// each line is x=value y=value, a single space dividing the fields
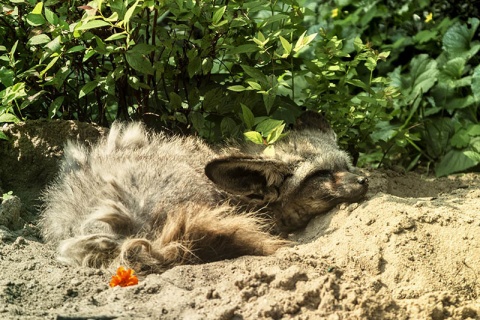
x=313 y=120
x=255 y=178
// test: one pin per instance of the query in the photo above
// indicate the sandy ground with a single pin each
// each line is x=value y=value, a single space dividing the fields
x=411 y=250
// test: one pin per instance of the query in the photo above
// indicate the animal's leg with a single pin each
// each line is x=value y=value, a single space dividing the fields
x=94 y=250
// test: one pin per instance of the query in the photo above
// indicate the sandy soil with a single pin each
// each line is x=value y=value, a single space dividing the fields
x=411 y=250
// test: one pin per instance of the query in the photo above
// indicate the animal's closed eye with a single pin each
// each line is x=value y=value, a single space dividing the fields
x=319 y=175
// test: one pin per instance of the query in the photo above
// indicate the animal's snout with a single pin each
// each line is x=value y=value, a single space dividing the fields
x=362 y=180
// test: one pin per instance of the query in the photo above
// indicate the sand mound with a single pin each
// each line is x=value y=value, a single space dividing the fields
x=410 y=251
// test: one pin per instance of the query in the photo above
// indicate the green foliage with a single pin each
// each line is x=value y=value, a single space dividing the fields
x=267 y=131
x=188 y=65
x=442 y=95
x=344 y=87
x=398 y=81
x=433 y=64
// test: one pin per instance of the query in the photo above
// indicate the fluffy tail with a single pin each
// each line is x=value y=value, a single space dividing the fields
x=194 y=234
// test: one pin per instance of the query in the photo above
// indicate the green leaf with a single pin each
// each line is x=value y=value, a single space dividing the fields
x=423 y=71
x=244 y=48
x=384 y=131
x=217 y=16
x=35 y=20
x=75 y=49
x=130 y=12
x=474 y=130
x=55 y=106
x=425 y=36
x=101 y=47
x=197 y=120
x=213 y=98
x=175 y=101
x=475 y=144
x=367 y=99
x=270 y=95
x=459 y=103
x=359 y=83
x=117 y=36
x=237 y=88
x=134 y=82
x=238 y=22
x=7 y=76
x=88 y=54
x=49 y=65
x=38 y=39
x=460 y=139
x=221 y=23
x=180 y=117
x=358 y=44
x=476 y=83
x=113 y=17
x=275 y=134
x=8 y=117
x=55 y=45
x=274 y=18
x=254 y=85
x=139 y=62
x=142 y=48
x=87 y=88
x=13 y=93
x=93 y=24
x=254 y=136
x=12 y=51
x=384 y=55
x=371 y=63
x=255 y=74
x=207 y=65
x=248 y=117
x=457 y=41
x=38 y=8
x=228 y=126
x=473 y=155
x=260 y=43
x=303 y=41
x=287 y=46
x=437 y=136
x=194 y=66
x=453 y=69
x=455 y=161
x=51 y=17
x=267 y=126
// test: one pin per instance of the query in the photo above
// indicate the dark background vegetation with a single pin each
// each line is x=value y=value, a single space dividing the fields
x=398 y=80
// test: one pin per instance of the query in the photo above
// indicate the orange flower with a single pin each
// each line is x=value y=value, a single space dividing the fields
x=124 y=278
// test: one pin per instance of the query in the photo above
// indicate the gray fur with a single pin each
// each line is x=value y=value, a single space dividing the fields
x=152 y=202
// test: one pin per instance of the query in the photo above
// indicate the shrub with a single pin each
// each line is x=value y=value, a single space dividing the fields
x=434 y=66
x=398 y=81
x=184 y=64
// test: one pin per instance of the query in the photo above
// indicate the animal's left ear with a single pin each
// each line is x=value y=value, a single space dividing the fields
x=314 y=120
x=255 y=178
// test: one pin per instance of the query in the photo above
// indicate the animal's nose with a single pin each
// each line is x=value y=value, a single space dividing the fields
x=362 y=180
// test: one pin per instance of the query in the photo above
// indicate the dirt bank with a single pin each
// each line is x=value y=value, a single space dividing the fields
x=411 y=250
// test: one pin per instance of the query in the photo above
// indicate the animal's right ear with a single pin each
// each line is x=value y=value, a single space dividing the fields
x=255 y=178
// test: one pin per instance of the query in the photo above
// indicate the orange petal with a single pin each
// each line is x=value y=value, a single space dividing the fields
x=124 y=278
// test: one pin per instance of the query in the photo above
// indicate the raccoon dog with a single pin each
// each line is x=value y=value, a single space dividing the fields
x=151 y=202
